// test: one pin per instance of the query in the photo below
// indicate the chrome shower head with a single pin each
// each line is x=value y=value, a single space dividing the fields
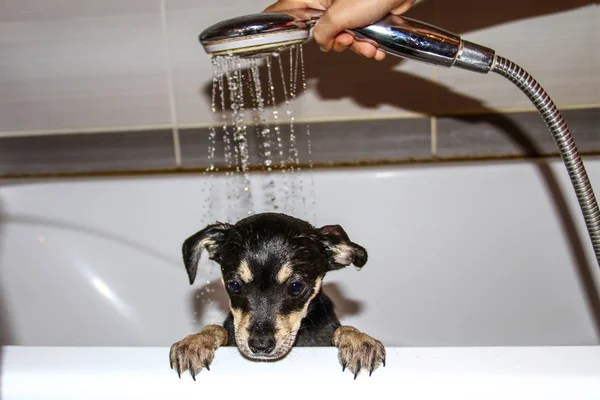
x=258 y=35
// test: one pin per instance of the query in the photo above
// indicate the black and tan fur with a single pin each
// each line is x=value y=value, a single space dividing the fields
x=273 y=267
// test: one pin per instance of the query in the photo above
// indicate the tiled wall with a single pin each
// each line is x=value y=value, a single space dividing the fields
x=102 y=85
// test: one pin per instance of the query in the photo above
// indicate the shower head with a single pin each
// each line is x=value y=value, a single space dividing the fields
x=258 y=35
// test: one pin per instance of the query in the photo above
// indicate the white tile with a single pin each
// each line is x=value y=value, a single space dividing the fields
x=560 y=50
x=82 y=70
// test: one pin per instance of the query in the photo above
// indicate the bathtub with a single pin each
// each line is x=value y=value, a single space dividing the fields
x=481 y=282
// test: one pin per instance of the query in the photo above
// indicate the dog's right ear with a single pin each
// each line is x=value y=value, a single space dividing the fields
x=210 y=238
x=342 y=252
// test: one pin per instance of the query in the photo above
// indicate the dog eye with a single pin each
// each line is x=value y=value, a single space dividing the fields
x=295 y=288
x=235 y=287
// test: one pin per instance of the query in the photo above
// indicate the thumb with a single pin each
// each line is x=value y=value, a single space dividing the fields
x=402 y=8
x=347 y=14
x=331 y=23
x=283 y=5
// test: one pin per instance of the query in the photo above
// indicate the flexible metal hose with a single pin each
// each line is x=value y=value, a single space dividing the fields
x=564 y=141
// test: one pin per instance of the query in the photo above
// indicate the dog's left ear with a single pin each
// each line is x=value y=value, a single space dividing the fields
x=342 y=252
x=210 y=238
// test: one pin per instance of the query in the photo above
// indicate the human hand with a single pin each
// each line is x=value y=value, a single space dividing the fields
x=341 y=15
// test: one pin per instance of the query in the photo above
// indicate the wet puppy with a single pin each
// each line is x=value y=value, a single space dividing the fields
x=273 y=267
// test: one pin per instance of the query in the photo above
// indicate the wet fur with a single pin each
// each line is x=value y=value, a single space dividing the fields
x=252 y=253
x=317 y=327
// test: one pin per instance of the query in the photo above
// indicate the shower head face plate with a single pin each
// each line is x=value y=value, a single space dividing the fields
x=258 y=35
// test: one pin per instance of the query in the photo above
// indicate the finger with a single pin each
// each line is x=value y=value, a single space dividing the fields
x=342 y=42
x=365 y=49
x=342 y=15
x=380 y=55
x=339 y=47
x=332 y=22
x=402 y=8
x=294 y=4
x=324 y=34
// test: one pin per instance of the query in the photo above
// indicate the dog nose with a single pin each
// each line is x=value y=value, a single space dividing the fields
x=261 y=344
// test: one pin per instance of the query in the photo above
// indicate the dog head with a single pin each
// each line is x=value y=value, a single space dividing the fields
x=272 y=267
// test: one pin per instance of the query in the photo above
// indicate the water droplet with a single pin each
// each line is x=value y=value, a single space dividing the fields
x=234 y=82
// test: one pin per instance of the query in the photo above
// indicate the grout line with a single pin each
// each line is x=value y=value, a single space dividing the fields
x=170 y=87
x=107 y=129
x=177 y=147
x=434 y=97
x=136 y=128
x=434 y=137
x=433 y=121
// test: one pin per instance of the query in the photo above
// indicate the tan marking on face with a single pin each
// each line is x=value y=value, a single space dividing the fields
x=286 y=326
x=285 y=272
x=241 y=325
x=244 y=272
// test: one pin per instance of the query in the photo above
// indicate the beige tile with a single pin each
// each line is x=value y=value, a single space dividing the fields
x=81 y=65
x=43 y=10
x=339 y=85
x=557 y=42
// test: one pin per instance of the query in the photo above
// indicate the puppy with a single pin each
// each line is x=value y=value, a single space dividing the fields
x=273 y=267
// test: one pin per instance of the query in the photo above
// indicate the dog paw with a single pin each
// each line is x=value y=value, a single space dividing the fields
x=358 y=351
x=197 y=351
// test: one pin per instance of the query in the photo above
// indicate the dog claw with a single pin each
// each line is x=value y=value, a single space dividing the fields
x=384 y=362
x=358 y=367
x=191 y=368
x=205 y=363
x=343 y=367
x=178 y=368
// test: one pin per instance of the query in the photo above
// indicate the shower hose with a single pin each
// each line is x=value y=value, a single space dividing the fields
x=566 y=145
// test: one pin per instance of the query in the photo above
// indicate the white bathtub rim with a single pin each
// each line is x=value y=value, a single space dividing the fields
x=462 y=372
